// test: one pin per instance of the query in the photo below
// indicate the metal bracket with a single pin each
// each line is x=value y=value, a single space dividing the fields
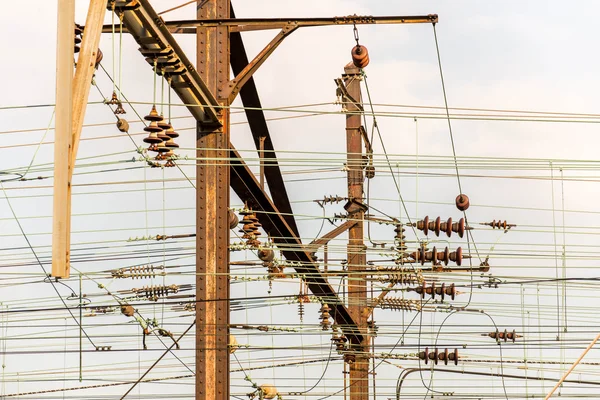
x=231 y=89
x=343 y=92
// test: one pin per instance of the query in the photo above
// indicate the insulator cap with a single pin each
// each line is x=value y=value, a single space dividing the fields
x=462 y=202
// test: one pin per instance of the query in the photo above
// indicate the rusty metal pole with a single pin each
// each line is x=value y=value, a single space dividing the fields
x=212 y=204
x=357 y=259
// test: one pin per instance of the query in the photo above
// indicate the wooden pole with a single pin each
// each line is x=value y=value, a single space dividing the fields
x=86 y=65
x=71 y=102
x=63 y=139
x=572 y=367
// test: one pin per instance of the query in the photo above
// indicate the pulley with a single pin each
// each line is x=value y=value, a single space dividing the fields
x=360 y=56
x=462 y=202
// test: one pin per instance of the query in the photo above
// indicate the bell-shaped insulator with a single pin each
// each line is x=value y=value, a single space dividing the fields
x=153 y=116
x=161 y=148
x=170 y=143
x=164 y=124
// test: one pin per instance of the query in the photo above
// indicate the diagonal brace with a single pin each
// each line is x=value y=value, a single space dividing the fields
x=233 y=87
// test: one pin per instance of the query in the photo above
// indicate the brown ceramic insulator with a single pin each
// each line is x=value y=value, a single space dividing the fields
x=360 y=56
x=266 y=255
x=114 y=100
x=431 y=290
x=459 y=227
x=436 y=226
x=370 y=172
x=424 y=355
x=457 y=256
x=152 y=139
x=160 y=147
x=162 y=136
x=78 y=30
x=128 y=311
x=99 y=57
x=444 y=256
x=152 y=127
x=431 y=256
x=120 y=110
x=163 y=124
x=447 y=227
x=462 y=202
x=153 y=116
x=171 y=132
x=123 y=125
x=434 y=356
x=233 y=220
x=170 y=143
x=423 y=225
x=454 y=356
x=444 y=356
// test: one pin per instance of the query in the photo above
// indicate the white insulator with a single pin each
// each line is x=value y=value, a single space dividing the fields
x=268 y=391
x=233 y=344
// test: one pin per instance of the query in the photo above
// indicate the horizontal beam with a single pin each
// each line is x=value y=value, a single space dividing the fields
x=250 y=24
x=155 y=40
x=245 y=185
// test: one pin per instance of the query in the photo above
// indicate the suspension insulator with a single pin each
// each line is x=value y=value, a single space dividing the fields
x=397 y=304
x=360 y=56
x=499 y=224
x=153 y=293
x=462 y=202
x=324 y=317
x=437 y=355
x=438 y=226
x=233 y=218
x=506 y=336
x=433 y=290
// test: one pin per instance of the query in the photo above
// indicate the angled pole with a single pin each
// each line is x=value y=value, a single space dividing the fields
x=63 y=138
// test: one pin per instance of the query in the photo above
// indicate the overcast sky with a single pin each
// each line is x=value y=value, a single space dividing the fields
x=512 y=55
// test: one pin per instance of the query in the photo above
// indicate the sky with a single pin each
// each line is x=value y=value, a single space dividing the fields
x=538 y=173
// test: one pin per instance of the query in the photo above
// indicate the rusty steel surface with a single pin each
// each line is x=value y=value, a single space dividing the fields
x=149 y=31
x=278 y=23
x=357 y=258
x=212 y=216
x=245 y=185
x=260 y=132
